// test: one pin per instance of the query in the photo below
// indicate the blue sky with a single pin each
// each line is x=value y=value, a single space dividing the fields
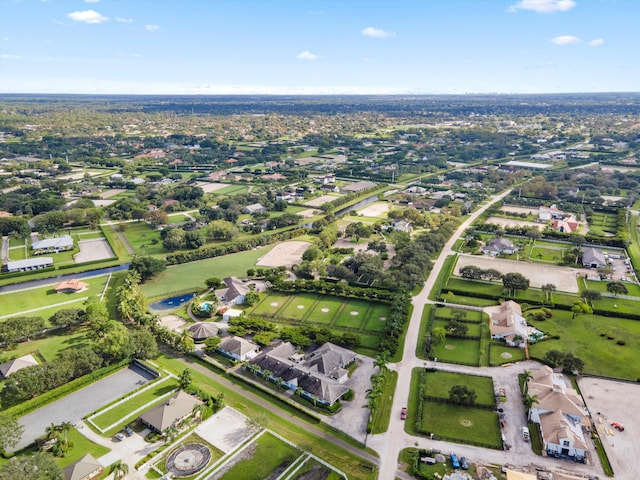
x=319 y=47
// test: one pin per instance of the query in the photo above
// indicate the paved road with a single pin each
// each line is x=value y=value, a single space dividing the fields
x=79 y=404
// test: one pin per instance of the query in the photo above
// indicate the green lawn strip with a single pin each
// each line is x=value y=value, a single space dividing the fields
x=634 y=245
x=383 y=413
x=602 y=455
x=443 y=275
x=368 y=344
x=326 y=309
x=270 y=305
x=13 y=303
x=470 y=315
x=587 y=337
x=473 y=329
x=616 y=304
x=634 y=289
x=141 y=237
x=298 y=307
x=191 y=276
x=114 y=241
x=17 y=253
x=270 y=453
x=459 y=284
x=461 y=424
x=456 y=350
x=352 y=314
x=501 y=354
x=424 y=331
x=378 y=315
x=51 y=345
x=123 y=411
x=352 y=465
x=161 y=462
x=439 y=383
x=81 y=446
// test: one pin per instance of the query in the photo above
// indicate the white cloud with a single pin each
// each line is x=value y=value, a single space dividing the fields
x=10 y=57
x=124 y=20
x=375 y=32
x=87 y=16
x=543 y=6
x=91 y=1
x=598 y=42
x=151 y=28
x=565 y=40
x=307 y=55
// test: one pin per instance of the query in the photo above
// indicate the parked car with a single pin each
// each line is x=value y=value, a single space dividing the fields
x=454 y=461
x=525 y=434
x=403 y=413
x=617 y=426
x=119 y=436
x=463 y=463
x=128 y=431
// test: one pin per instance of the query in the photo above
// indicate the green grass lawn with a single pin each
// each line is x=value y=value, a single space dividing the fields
x=456 y=350
x=633 y=288
x=582 y=336
x=51 y=345
x=14 y=303
x=383 y=413
x=545 y=254
x=299 y=307
x=439 y=383
x=377 y=318
x=81 y=446
x=326 y=309
x=447 y=268
x=470 y=315
x=122 y=413
x=17 y=253
x=467 y=425
x=161 y=463
x=353 y=314
x=270 y=453
x=190 y=277
x=141 y=236
x=471 y=301
x=270 y=305
x=616 y=304
x=473 y=329
x=501 y=354
x=231 y=190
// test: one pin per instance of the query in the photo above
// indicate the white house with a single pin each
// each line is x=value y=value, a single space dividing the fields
x=52 y=245
x=234 y=293
x=549 y=213
x=560 y=412
x=508 y=324
x=238 y=348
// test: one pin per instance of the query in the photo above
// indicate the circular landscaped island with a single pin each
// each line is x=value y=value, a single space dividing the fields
x=187 y=460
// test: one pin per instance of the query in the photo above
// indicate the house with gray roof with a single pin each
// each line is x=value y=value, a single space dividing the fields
x=52 y=245
x=84 y=469
x=497 y=246
x=12 y=366
x=170 y=412
x=234 y=293
x=238 y=348
x=27 y=264
x=593 y=257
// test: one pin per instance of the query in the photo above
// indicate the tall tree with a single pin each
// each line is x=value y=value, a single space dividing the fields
x=617 y=288
x=38 y=466
x=10 y=431
x=514 y=282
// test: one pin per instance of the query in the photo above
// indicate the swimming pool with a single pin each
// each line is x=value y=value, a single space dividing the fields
x=171 y=302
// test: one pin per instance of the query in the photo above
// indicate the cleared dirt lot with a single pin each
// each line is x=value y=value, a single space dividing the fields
x=225 y=430
x=112 y=192
x=210 y=187
x=91 y=250
x=318 y=202
x=610 y=401
x=519 y=210
x=375 y=210
x=309 y=212
x=284 y=254
x=563 y=278
x=511 y=222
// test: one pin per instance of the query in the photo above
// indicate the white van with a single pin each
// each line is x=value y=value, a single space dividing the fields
x=525 y=434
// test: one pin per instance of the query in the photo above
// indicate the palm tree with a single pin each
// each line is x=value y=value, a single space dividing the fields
x=65 y=427
x=381 y=360
x=266 y=374
x=52 y=431
x=298 y=391
x=199 y=410
x=119 y=469
x=529 y=401
x=548 y=289
x=170 y=434
x=527 y=376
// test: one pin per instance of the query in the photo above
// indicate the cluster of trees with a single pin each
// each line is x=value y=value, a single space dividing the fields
x=51 y=222
x=374 y=394
x=462 y=395
x=20 y=329
x=471 y=272
x=568 y=362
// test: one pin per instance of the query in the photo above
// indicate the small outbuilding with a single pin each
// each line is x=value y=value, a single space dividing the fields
x=84 y=469
x=12 y=366
x=231 y=313
x=238 y=348
x=202 y=330
x=593 y=257
x=71 y=286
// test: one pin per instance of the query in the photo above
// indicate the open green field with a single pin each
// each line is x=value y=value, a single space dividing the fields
x=141 y=237
x=298 y=308
x=464 y=300
x=190 y=277
x=458 y=350
x=382 y=415
x=439 y=383
x=467 y=425
x=321 y=470
x=545 y=254
x=377 y=317
x=52 y=345
x=81 y=446
x=473 y=329
x=270 y=454
x=17 y=253
x=13 y=303
x=122 y=412
x=231 y=190
x=602 y=223
x=586 y=336
x=470 y=315
x=501 y=354
x=326 y=309
x=271 y=304
x=633 y=288
x=353 y=314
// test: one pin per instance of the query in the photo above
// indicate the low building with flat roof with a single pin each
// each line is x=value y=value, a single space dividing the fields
x=52 y=245
x=27 y=264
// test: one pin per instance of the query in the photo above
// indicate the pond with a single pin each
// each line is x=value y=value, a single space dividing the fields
x=171 y=302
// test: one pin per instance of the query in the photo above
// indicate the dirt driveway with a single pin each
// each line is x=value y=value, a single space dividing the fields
x=564 y=278
x=284 y=254
x=611 y=401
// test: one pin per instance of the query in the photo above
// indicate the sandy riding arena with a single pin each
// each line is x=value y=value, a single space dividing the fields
x=91 y=250
x=318 y=202
x=375 y=210
x=284 y=254
x=564 y=278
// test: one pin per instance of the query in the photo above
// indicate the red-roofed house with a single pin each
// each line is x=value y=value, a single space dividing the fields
x=71 y=286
